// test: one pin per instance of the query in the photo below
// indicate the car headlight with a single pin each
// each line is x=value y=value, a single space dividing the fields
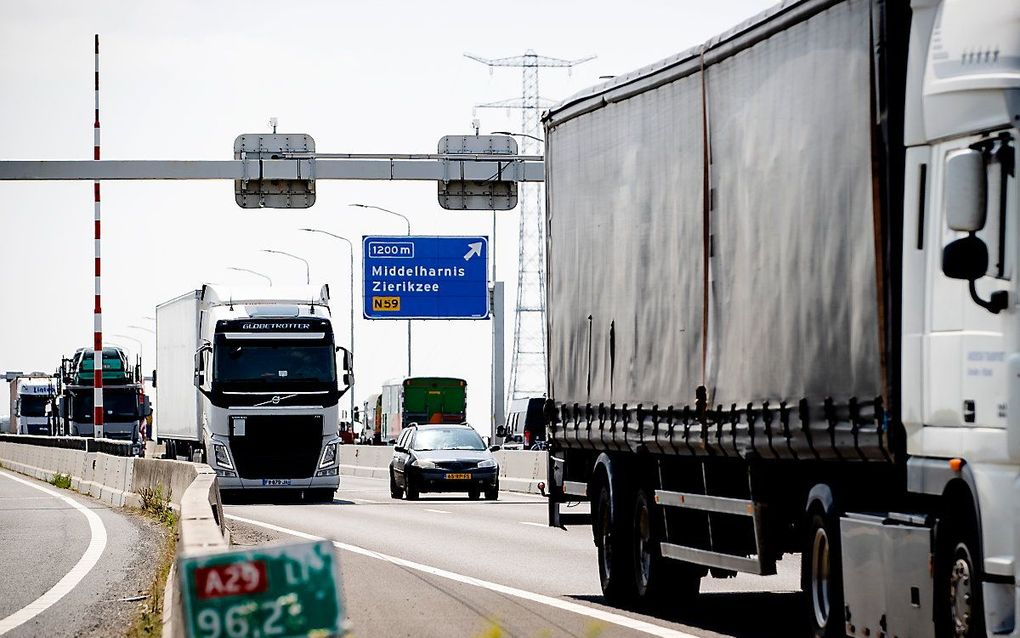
x=487 y=463
x=328 y=455
x=423 y=464
x=222 y=456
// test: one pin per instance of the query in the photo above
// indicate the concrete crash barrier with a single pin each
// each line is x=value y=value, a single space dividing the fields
x=372 y=461
x=105 y=477
x=519 y=470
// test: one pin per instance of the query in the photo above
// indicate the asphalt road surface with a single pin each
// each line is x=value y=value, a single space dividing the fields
x=69 y=565
x=447 y=566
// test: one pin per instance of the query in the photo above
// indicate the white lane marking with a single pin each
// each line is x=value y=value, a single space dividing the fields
x=359 y=500
x=533 y=524
x=583 y=610
x=436 y=511
x=88 y=560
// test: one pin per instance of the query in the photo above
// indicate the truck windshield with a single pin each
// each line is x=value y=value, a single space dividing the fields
x=33 y=405
x=117 y=406
x=277 y=364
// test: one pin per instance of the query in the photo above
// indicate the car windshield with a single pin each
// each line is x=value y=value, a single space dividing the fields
x=448 y=439
x=275 y=363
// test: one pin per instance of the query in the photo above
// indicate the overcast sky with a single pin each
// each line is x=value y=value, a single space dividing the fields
x=180 y=80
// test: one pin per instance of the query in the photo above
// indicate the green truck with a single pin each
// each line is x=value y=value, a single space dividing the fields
x=420 y=400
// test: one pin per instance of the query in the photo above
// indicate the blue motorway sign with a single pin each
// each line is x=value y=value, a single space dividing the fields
x=410 y=277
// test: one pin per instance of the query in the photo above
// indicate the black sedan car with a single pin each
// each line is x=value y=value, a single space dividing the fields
x=443 y=458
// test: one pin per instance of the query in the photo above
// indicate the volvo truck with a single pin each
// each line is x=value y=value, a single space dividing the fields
x=783 y=315
x=32 y=397
x=247 y=380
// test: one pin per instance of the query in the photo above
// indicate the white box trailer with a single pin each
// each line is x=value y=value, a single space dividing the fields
x=247 y=379
x=178 y=414
x=782 y=314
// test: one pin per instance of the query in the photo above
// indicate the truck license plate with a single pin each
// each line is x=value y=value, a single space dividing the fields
x=275 y=482
x=457 y=477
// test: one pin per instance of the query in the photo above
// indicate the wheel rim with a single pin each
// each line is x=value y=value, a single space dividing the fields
x=960 y=591
x=643 y=541
x=820 y=577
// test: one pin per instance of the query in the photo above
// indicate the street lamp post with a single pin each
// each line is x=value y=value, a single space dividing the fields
x=250 y=272
x=308 y=270
x=351 y=247
x=408 y=223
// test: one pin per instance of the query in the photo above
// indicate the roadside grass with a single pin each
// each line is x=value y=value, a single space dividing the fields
x=63 y=481
x=149 y=621
x=156 y=504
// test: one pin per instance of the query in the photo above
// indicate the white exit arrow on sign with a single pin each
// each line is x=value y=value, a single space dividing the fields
x=476 y=249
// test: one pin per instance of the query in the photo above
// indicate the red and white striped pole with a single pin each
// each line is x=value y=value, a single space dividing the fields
x=97 y=361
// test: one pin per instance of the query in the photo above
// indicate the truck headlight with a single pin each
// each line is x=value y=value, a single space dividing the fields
x=221 y=456
x=328 y=455
x=423 y=464
x=486 y=463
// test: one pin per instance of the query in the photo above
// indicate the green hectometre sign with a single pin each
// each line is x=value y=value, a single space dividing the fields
x=266 y=592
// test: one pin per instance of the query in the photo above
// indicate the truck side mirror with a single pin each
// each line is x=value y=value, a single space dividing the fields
x=154 y=377
x=348 y=359
x=965 y=191
x=967 y=258
x=200 y=364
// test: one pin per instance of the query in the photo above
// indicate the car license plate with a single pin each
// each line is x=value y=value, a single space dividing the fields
x=275 y=482
x=457 y=477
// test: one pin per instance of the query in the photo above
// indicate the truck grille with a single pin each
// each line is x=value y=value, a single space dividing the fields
x=278 y=446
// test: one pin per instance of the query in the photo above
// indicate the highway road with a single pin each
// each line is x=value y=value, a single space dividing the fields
x=69 y=565
x=447 y=566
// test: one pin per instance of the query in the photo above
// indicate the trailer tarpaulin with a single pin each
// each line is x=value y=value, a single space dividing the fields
x=792 y=305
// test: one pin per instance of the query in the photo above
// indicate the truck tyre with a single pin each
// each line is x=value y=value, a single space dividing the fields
x=657 y=579
x=959 y=608
x=821 y=575
x=395 y=490
x=612 y=538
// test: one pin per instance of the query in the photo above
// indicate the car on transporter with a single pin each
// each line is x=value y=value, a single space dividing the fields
x=443 y=458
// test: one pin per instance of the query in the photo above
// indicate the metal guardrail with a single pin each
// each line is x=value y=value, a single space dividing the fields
x=88 y=444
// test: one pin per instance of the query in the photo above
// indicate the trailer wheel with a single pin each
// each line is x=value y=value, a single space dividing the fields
x=657 y=578
x=611 y=538
x=821 y=576
x=959 y=609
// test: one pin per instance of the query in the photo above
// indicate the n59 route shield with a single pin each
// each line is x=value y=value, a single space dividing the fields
x=426 y=277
